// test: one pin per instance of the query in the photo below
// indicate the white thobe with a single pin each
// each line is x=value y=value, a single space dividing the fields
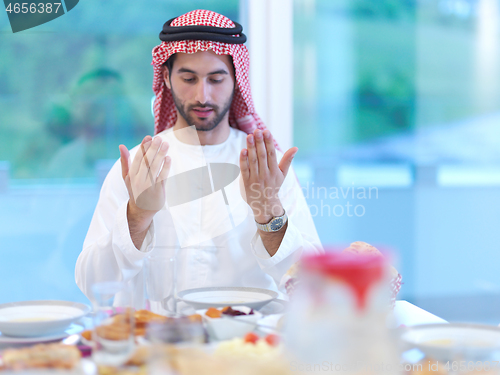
x=234 y=256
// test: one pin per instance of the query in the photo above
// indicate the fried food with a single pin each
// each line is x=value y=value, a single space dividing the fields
x=195 y=318
x=114 y=331
x=144 y=353
x=144 y=317
x=140 y=356
x=87 y=335
x=110 y=370
x=57 y=356
x=119 y=326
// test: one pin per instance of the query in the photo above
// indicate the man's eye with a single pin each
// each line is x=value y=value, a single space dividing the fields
x=216 y=80
x=188 y=79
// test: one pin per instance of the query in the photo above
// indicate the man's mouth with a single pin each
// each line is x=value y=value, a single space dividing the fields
x=202 y=112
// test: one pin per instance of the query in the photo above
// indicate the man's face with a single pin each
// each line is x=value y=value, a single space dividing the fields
x=202 y=85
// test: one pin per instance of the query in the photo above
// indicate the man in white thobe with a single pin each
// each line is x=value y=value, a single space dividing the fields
x=210 y=190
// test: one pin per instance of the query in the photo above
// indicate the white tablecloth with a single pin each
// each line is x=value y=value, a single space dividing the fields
x=408 y=315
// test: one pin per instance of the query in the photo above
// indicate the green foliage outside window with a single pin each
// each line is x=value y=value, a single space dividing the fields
x=75 y=88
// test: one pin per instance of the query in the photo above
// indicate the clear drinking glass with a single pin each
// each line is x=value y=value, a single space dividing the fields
x=113 y=335
x=161 y=281
x=183 y=332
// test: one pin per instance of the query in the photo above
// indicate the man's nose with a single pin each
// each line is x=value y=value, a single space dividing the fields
x=202 y=92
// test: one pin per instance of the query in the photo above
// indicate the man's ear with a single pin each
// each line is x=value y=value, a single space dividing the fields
x=166 y=76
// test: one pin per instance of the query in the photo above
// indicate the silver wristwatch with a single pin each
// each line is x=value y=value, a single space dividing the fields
x=274 y=225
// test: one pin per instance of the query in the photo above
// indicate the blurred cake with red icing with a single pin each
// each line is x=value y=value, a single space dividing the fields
x=291 y=279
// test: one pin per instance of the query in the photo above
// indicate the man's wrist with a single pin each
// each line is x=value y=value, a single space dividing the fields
x=264 y=218
x=138 y=219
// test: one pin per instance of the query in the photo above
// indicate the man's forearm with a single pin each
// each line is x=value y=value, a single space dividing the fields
x=272 y=240
x=139 y=222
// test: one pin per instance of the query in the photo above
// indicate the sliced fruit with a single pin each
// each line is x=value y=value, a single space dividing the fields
x=272 y=339
x=251 y=338
x=212 y=312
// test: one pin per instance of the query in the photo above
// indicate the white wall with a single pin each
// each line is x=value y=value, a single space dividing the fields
x=270 y=42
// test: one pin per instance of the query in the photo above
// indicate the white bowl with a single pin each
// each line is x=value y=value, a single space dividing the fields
x=39 y=318
x=446 y=342
x=203 y=298
x=229 y=327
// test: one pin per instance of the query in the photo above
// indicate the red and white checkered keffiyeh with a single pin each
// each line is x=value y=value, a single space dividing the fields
x=242 y=113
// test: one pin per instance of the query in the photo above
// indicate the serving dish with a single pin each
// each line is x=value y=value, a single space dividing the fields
x=39 y=318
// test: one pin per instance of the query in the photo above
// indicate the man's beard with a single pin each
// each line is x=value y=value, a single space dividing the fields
x=191 y=119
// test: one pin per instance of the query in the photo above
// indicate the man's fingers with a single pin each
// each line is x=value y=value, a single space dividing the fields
x=159 y=160
x=286 y=161
x=260 y=146
x=165 y=169
x=252 y=156
x=125 y=160
x=143 y=147
x=245 y=171
x=162 y=177
x=148 y=159
x=272 y=161
x=138 y=158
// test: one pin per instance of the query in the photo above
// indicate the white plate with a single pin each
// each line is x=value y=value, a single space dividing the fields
x=446 y=342
x=203 y=298
x=39 y=318
x=71 y=330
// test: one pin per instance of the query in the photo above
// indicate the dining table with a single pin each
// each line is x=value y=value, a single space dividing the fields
x=405 y=314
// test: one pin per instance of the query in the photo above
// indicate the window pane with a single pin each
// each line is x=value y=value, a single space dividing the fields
x=71 y=91
x=403 y=96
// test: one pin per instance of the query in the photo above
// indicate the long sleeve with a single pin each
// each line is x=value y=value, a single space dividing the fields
x=300 y=237
x=108 y=251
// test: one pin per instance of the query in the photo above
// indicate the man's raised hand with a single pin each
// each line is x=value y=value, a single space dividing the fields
x=145 y=176
x=262 y=176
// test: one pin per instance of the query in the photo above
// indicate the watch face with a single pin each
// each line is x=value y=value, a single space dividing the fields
x=276 y=224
